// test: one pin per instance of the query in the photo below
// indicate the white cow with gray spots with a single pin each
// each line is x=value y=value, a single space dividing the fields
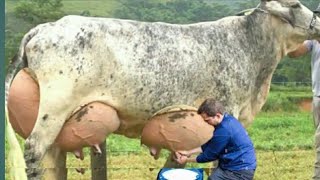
x=139 y=68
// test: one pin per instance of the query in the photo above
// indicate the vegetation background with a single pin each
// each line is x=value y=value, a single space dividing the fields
x=282 y=133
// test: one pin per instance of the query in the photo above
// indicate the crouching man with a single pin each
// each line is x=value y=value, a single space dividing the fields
x=230 y=145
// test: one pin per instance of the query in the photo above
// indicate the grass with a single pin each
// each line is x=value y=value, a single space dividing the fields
x=280 y=165
x=282 y=131
x=283 y=98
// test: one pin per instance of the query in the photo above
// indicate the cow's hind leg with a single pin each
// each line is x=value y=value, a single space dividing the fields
x=54 y=163
x=56 y=104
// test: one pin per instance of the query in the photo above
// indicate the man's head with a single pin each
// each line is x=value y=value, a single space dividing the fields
x=211 y=111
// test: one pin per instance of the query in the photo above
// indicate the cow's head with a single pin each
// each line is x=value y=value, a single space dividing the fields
x=300 y=22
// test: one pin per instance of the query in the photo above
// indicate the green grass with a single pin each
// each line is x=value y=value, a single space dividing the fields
x=277 y=165
x=286 y=99
x=282 y=131
x=291 y=87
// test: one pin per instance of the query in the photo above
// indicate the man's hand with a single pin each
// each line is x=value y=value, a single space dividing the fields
x=182 y=153
x=181 y=159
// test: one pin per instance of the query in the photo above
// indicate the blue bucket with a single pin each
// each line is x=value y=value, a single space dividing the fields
x=180 y=174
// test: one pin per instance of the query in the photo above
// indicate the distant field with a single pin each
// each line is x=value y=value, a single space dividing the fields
x=96 y=7
x=286 y=98
x=282 y=131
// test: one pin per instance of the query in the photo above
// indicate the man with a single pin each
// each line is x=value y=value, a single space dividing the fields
x=230 y=145
x=313 y=46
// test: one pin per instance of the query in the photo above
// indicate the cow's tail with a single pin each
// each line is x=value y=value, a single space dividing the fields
x=15 y=158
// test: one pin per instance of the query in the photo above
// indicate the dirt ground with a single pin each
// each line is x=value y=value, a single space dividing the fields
x=306 y=105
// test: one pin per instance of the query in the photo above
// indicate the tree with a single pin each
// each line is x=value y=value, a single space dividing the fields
x=39 y=11
x=176 y=11
x=26 y=15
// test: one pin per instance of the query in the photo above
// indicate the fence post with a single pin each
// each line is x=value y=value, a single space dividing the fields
x=99 y=163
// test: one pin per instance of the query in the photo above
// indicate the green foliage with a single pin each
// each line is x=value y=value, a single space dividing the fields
x=101 y=8
x=279 y=103
x=39 y=11
x=293 y=70
x=85 y=13
x=282 y=131
x=177 y=11
x=293 y=88
x=14 y=31
x=286 y=99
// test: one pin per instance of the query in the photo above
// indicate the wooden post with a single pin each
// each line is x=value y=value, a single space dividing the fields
x=99 y=163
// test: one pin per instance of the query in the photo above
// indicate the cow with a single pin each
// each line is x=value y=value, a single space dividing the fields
x=138 y=68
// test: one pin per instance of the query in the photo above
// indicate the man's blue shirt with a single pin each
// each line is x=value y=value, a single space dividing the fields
x=231 y=145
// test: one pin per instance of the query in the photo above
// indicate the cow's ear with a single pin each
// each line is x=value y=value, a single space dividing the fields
x=284 y=13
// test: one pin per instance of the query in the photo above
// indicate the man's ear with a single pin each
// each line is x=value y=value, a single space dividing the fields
x=219 y=115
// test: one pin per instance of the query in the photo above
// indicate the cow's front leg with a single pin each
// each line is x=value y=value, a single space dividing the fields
x=56 y=105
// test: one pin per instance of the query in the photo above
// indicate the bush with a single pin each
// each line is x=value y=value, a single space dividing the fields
x=39 y=11
x=286 y=97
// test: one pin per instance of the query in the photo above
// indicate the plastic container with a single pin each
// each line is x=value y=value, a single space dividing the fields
x=180 y=174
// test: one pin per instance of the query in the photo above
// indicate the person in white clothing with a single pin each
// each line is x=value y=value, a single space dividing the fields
x=313 y=46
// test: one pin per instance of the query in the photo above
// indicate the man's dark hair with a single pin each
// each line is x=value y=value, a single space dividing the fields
x=211 y=107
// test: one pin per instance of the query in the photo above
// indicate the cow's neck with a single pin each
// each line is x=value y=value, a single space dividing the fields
x=267 y=51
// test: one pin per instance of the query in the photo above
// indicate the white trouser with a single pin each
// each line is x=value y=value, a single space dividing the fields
x=316 y=117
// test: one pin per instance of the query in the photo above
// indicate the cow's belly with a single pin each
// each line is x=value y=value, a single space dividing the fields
x=86 y=127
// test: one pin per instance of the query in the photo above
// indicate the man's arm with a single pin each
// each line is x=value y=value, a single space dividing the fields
x=190 y=152
x=300 y=51
x=211 y=153
x=215 y=148
x=185 y=159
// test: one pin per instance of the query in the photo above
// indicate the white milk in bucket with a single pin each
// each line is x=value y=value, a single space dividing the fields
x=180 y=174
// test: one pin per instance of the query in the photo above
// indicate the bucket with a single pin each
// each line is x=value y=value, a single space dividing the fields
x=180 y=174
